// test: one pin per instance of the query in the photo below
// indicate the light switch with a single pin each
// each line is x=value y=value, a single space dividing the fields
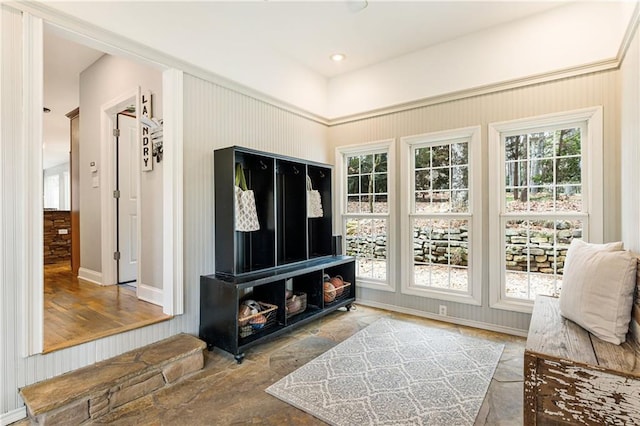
x=95 y=181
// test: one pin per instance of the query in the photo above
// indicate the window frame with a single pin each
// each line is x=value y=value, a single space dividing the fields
x=473 y=135
x=592 y=190
x=376 y=147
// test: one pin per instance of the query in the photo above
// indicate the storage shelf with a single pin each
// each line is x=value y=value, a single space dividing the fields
x=220 y=296
x=290 y=251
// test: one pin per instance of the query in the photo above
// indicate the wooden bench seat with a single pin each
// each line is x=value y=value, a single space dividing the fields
x=573 y=377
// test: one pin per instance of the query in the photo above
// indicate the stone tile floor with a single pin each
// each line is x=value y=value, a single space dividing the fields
x=227 y=393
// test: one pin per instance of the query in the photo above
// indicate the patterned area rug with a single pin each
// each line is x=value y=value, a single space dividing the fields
x=395 y=373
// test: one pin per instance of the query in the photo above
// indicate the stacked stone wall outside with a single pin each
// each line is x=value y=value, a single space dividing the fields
x=526 y=250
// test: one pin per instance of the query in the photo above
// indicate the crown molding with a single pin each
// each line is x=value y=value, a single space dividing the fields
x=629 y=34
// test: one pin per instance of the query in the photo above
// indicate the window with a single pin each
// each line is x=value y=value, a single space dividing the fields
x=57 y=188
x=544 y=195
x=441 y=223
x=51 y=192
x=366 y=172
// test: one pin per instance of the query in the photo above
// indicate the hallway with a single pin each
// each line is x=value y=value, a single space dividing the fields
x=77 y=311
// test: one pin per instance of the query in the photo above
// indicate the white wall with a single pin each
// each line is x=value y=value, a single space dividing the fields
x=566 y=37
x=109 y=78
x=630 y=146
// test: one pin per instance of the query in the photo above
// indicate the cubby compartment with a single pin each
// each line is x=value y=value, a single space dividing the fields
x=260 y=311
x=291 y=199
x=239 y=252
x=307 y=286
x=319 y=229
x=342 y=280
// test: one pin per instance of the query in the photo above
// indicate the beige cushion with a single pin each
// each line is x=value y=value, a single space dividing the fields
x=597 y=288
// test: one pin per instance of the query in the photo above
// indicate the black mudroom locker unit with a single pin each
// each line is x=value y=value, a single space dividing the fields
x=282 y=273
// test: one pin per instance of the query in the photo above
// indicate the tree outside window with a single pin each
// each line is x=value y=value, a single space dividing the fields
x=542 y=195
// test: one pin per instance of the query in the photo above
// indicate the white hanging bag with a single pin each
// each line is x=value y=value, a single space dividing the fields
x=314 y=201
x=245 y=204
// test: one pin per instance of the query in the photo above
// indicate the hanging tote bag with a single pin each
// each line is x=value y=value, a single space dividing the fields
x=245 y=204
x=314 y=201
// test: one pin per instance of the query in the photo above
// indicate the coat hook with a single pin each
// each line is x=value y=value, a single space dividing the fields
x=295 y=170
x=262 y=165
x=321 y=174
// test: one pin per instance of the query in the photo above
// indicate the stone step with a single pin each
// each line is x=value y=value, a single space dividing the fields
x=93 y=391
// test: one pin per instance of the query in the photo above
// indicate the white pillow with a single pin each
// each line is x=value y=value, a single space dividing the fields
x=597 y=288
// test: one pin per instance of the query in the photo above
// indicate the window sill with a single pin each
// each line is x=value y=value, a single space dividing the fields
x=375 y=285
x=524 y=306
x=431 y=293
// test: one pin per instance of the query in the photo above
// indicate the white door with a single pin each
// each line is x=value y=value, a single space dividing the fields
x=128 y=202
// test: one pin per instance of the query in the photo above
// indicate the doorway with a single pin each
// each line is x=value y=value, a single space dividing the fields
x=28 y=235
x=83 y=305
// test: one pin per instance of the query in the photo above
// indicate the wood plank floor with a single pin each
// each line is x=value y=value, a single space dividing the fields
x=77 y=311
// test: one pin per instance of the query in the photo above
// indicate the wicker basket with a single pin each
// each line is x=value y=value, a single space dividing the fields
x=344 y=295
x=302 y=297
x=255 y=322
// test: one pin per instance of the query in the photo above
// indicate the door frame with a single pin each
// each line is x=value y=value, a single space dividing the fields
x=30 y=257
x=109 y=205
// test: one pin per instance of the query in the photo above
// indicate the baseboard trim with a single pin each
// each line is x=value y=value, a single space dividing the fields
x=13 y=416
x=150 y=294
x=90 y=275
x=458 y=321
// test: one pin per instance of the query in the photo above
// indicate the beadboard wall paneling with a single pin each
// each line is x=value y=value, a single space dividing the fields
x=630 y=146
x=10 y=135
x=589 y=90
x=217 y=117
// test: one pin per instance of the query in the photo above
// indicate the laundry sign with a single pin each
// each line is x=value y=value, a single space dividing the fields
x=146 y=155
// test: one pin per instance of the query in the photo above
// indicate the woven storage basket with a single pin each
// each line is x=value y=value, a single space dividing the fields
x=291 y=302
x=344 y=295
x=254 y=323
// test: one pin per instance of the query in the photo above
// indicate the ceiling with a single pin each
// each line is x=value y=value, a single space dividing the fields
x=304 y=33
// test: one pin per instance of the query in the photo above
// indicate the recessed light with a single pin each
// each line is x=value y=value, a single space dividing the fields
x=356 y=6
x=338 y=57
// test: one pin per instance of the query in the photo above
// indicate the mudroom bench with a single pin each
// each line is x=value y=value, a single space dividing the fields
x=573 y=377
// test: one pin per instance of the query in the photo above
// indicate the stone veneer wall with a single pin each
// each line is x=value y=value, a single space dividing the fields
x=435 y=246
x=57 y=247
